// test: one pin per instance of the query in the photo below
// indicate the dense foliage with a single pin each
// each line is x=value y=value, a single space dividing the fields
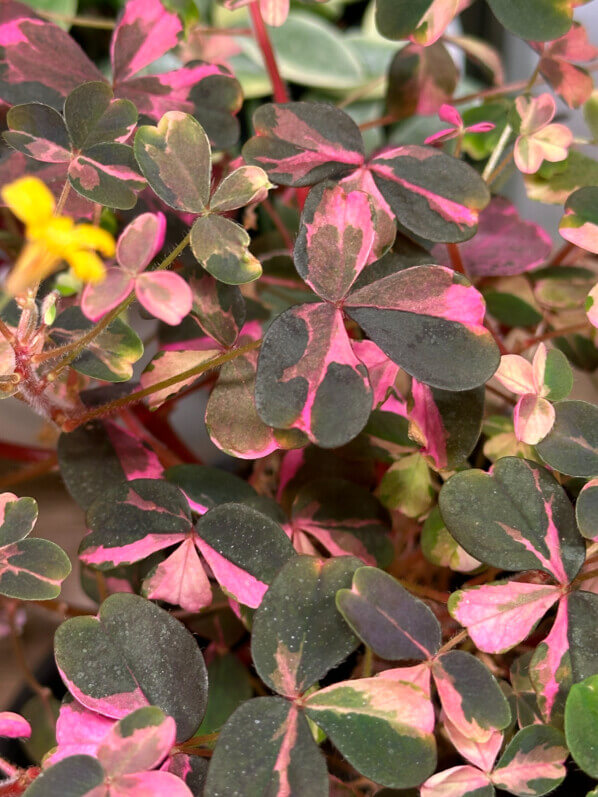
x=390 y=584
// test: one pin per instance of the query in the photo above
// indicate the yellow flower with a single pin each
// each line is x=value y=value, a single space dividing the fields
x=50 y=239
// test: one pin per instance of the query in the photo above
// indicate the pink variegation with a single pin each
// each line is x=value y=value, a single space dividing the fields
x=559 y=65
x=550 y=667
x=451 y=116
x=13 y=726
x=164 y=294
x=538 y=139
x=533 y=415
x=381 y=370
x=480 y=754
x=427 y=425
x=458 y=781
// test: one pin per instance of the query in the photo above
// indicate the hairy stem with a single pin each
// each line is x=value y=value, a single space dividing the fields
x=554 y=333
x=262 y=37
x=453 y=642
x=125 y=401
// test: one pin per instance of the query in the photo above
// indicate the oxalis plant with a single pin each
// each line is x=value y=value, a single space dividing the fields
x=390 y=583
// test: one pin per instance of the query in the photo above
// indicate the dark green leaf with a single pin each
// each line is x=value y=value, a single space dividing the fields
x=571 y=446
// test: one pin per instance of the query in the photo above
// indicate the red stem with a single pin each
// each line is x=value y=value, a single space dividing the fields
x=279 y=89
x=20 y=453
x=456 y=259
x=161 y=429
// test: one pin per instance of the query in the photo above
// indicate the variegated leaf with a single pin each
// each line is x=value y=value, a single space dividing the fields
x=336 y=227
x=138 y=742
x=433 y=195
x=533 y=763
x=571 y=446
x=132 y=520
x=219 y=308
x=550 y=667
x=391 y=621
x=579 y=225
x=501 y=615
x=222 y=247
x=266 y=747
x=460 y=781
x=582 y=632
x=108 y=175
x=92 y=116
x=419 y=316
x=305 y=362
x=423 y=21
x=362 y=717
x=345 y=519
x=586 y=510
x=301 y=143
x=421 y=80
x=167 y=364
x=132 y=655
x=298 y=635
x=38 y=131
x=244 y=186
x=518 y=517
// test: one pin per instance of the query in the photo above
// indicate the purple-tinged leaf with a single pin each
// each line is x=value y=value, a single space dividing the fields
x=132 y=655
x=222 y=247
x=145 y=31
x=571 y=446
x=13 y=726
x=175 y=158
x=308 y=377
x=108 y=175
x=301 y=143
x=132 y=520
x=381 y=371
x=40 y=62
x=165 y=295
x=170 y=363
x=364 y=716
x=76 y=776
x=550 y=667
x=298 y=634
x=219 y=308
x=391 y=621
x=385 y=225
x=517 y=517
x=180 y=579
x=481 y=754
x=500 y=616
x=207 y=487
x=345 y=519
x=93 y=116
x=266 y=747
x=533 y=763
x=38 y=131
x=140 y=242
x=504 y=245
x=101 y=297
x=579 y=225
x=336 y=227
x=421 y=80
x=245 y=549
x=138 y=742
x=573 y=83
x=470 y=696
x=433 y=195
x=582 y=632
x=100 y=455
x=421 y=316
x=245 y=186
x=586 y=510
x=190 y=769
x=461 y=781
x=447 y=425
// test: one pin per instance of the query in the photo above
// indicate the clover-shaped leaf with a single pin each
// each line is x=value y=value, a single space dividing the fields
x=538 y=139
x=30 y=569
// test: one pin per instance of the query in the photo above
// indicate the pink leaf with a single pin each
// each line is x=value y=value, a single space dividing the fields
x=148 y=784
x=180 y=580
x=128 y=748
x=165 y=295
x=14 y=726
x=550 y=667
x=79 y=731
x=535 y=112
x=426 y=416
x=381 y=370
x=101 y=297
x=419 y=675
x=481 y=754
x=140 y=242
x=533 y=418
x=456 y=782
x=500 y=616
x=516 y=374
x=238 y=582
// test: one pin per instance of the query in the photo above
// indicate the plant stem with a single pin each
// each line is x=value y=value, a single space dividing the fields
x=71 y=350
x=262 y=37
x=367 y=667
x=562 y=254
x=125 y=401
x=80 y=22
x=501 y=395
x=64 y=195
x=499 y=169
x=278 y=223
x=554 y=333
x=6 y=332
x=30 y=472
x=453 y=642
x=456 y=259
x=498 y=151
x=41 y=691
x=9 y=770
x=15 y=451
